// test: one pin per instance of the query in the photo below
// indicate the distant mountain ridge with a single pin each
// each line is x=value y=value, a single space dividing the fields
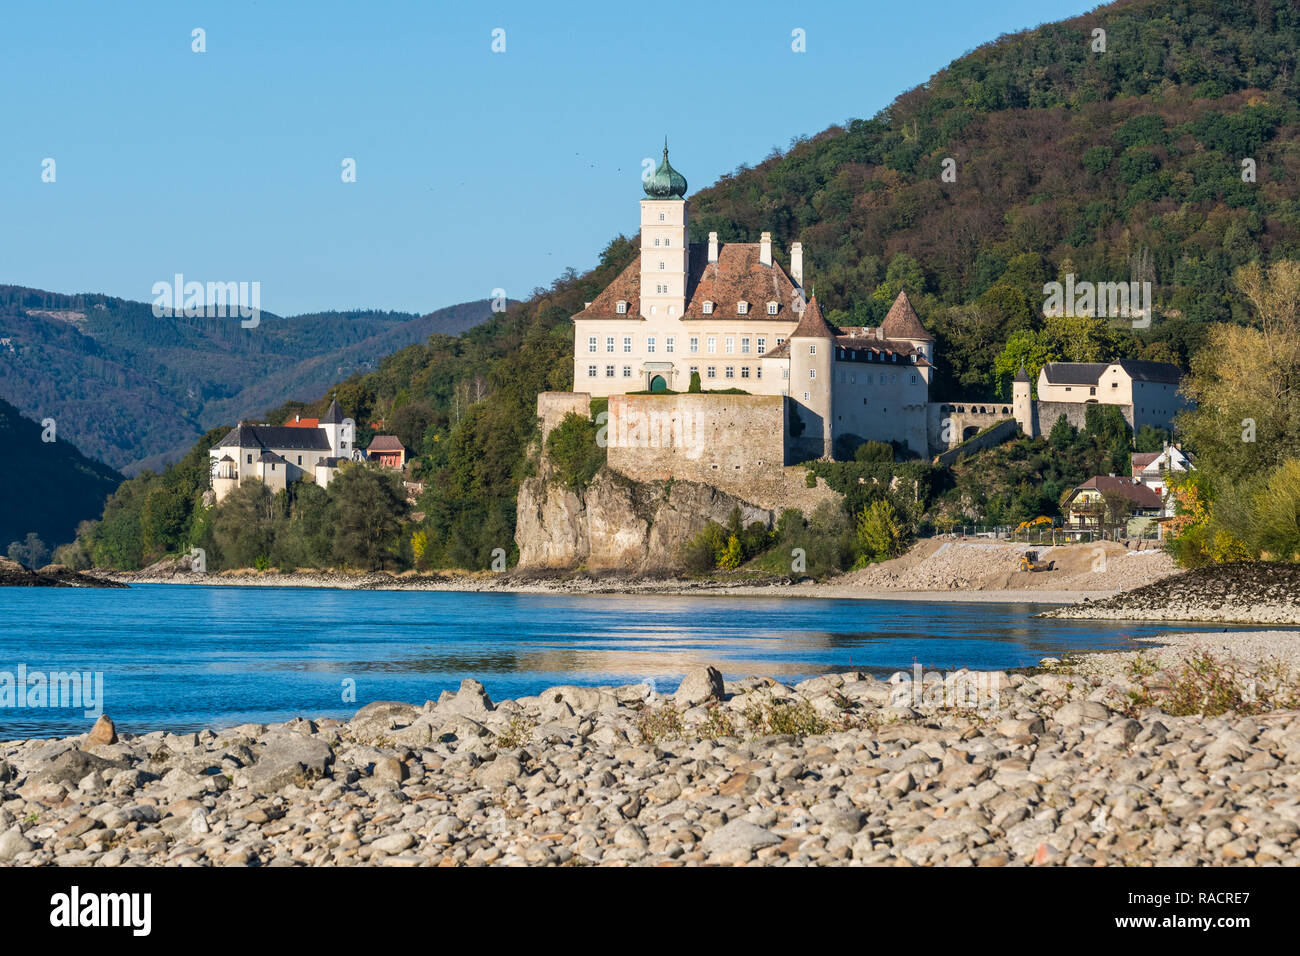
x=136 y=391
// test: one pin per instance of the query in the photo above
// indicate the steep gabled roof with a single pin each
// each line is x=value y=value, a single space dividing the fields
x=333 y=415
x=737 y=276
x=1143 y=371
x=902 y=321
x=813 y=325
x=275 y=436
x=386 y=443
x=1074 y=373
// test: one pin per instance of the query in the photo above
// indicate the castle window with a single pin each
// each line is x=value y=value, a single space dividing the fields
x=668 y=344
x=731 y=345
x=591 y=371
x=812 y=349
x=627 y=371
x=250 y=459
x=661 y=267
x=731 y=372
x=661 y=217
x=780 y=342
x=622 y=307
x=609 y=371
x=591 y=343
x=711 y=372
x=805 y=396
x=300 y=459
x=627 y=344
x=712 y=345
x=744 y=346
x=666 y=242
x=708 y=308
x=771 y=308
x=762 y=345
x=695 y=344
x=1092 y=390
x=744 y=371
x=785 y=373
x=913 y=379
x=609 y=343
x=758 y=373
x=656 y=242
x=742 y=308
x=650 y=344
x=812 y=373
x=695 y=370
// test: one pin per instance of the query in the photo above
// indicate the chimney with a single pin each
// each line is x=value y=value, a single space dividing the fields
x=713 y=247
x=796 y=263
x=765 y=249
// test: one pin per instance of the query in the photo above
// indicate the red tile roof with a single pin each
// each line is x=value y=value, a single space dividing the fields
x=813 y=325
x=303 y=423
x=1139 y=494
x=902 y=321
x=737 y=276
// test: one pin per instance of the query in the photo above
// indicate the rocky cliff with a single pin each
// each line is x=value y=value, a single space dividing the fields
x=616 y=523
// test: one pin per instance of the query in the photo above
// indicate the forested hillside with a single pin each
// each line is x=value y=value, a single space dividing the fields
x=46 y=487
x=135 y=390
x=1119 y=165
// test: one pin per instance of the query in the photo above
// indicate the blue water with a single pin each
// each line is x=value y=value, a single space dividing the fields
x=183 y=657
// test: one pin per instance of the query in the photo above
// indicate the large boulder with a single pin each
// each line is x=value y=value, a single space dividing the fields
x=287 y=759
x=699 y=686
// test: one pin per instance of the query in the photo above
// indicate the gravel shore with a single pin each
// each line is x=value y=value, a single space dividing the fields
x=1104 y=760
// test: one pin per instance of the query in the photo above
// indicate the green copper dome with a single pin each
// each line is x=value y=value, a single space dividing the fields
x=666 y=183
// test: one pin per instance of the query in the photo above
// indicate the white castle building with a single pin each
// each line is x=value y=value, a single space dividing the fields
x=731 y=314
x=278 y=454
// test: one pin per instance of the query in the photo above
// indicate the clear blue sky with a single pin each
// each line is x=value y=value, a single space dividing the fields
x=475 y=170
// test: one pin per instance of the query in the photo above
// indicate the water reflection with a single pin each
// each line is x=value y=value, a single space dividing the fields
x=188 y=657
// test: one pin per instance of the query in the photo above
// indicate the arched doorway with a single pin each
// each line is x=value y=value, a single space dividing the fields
x=657 y=384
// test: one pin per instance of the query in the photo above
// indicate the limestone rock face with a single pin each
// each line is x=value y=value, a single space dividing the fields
x=616 y=523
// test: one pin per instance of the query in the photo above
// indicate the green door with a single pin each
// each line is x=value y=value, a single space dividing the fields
x=657 y=384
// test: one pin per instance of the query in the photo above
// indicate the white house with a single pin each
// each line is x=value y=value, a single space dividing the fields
x=1153 y=469
x=279 y=454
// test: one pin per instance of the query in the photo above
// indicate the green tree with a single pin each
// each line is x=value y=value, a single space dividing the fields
x=370 y=505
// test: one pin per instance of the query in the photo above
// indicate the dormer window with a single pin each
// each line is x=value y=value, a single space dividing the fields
x=771 y=308
x=708 y=308
x=742 y=308
x=622 y=307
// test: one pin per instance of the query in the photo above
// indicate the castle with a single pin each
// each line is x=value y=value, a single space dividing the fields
x=731 y=315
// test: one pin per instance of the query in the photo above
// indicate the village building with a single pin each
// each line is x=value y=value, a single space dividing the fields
x=387 y=450
x=279 y=454
x=1153 y=470
x=1145 y=392
x=1087 y=507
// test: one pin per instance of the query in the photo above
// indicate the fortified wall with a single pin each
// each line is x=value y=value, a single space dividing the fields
x=553 y=406
x=1045 y=415
x=735 y=443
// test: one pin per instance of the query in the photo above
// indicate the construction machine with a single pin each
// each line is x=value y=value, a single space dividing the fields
x=1029 y=562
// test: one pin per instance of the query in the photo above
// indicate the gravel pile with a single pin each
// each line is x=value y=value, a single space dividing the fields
x=1254 y=593
x=1060 y=767
x=967 y=566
